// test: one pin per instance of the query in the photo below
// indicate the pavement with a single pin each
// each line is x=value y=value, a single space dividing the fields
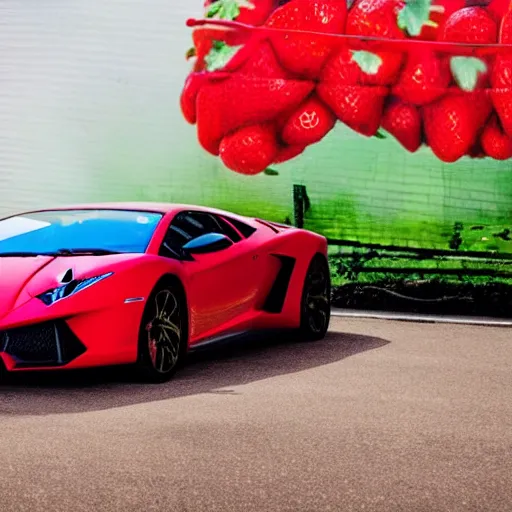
x=379 y=416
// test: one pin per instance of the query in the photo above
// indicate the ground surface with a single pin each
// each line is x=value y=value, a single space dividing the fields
x=381 y=416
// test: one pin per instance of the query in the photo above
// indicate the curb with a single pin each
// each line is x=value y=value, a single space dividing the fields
x=405 y=317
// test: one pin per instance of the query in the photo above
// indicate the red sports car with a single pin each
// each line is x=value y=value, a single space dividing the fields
x=141 y=283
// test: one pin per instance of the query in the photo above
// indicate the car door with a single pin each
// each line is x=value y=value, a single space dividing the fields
x=221 y=285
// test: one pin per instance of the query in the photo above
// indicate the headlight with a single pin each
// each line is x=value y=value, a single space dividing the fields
x=51 y=296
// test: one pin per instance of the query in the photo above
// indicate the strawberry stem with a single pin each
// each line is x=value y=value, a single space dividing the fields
x=220 y=55
x=227 y=9
x=439 y=9
x=415 y=15
x=466 y=70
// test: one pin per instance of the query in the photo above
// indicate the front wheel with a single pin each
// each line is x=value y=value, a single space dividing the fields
x=163 y=334
x=316 y=300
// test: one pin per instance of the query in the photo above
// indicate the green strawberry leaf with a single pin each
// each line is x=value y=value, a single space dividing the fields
x=367 y=61
x=270 y=172
x=191 y=52
x=227 y=9
x=465 y=70
x=220 y=55
x=414 y=16
x=379 y=135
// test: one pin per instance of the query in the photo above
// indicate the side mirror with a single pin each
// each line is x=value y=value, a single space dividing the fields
x=211 y=242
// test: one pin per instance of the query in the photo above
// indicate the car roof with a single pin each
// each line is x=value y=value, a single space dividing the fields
x=132 y=206
x=153 y=207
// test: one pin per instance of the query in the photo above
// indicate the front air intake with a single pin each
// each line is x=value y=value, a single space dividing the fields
x=44 y=344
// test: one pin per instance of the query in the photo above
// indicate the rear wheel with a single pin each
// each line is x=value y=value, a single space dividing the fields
x=163 y=333
x=316 y=300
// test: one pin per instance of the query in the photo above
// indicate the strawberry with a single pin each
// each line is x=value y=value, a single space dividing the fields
x=498 y=8
x=441 y=10
x=189 y=94
x=305 y=54
x=403 y=121
x=375 y=18
x=378 y=18
x=495 y=142
x=481 y=104
x=249 y=150
x=358 y=106
x=425 y=78
x=259 y=91
x=501 y=78
x=450 y=127
x=505 y=34
x=470 y=25
x=308 y=124
x=250 y=12
x=286 y=153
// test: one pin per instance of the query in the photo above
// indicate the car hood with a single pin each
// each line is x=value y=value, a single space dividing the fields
x=21 y=279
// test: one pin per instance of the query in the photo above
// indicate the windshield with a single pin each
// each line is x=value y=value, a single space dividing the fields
x=100 y=231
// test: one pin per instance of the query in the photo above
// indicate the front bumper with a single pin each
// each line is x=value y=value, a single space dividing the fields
x=48 y=344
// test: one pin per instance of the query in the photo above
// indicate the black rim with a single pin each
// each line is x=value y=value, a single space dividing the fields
x=316 y=307
x=164 y=331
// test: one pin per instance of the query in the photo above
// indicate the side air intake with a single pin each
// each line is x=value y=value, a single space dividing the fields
x=275 y=299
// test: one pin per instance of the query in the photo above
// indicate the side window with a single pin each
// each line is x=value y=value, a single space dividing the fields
x=245 y=229
x=188 y=225
x=227 y=229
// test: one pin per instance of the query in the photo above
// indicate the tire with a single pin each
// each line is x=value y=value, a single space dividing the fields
x=163 y=333
x=315 y=307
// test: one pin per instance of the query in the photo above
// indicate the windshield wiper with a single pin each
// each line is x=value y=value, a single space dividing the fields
x=21 y=254
x=86 y=251
x=59 y=252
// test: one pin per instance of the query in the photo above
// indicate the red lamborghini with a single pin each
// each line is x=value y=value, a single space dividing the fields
x=106 y=284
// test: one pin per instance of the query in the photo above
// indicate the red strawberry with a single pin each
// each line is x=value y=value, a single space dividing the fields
x=424 y=78
x=403 y=121
x=258 y=92
x=501 y=78
x=482 y=106
x=249 y=150
x=286 y=153
x=188 y=97
x=375 y=18
x=473 y=25
x=498 y=8
x=470 y=25
x=450 y=127
x=378 y=18
x=308 y=124
x=358 y=106
x=250 y=12
x=305 y=54
x=505 y=35
x=443 y=9
x=495 y=142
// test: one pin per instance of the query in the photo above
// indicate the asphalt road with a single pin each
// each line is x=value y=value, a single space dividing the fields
x=381 y=416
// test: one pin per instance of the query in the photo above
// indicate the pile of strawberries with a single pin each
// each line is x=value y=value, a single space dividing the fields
x=428 y=72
